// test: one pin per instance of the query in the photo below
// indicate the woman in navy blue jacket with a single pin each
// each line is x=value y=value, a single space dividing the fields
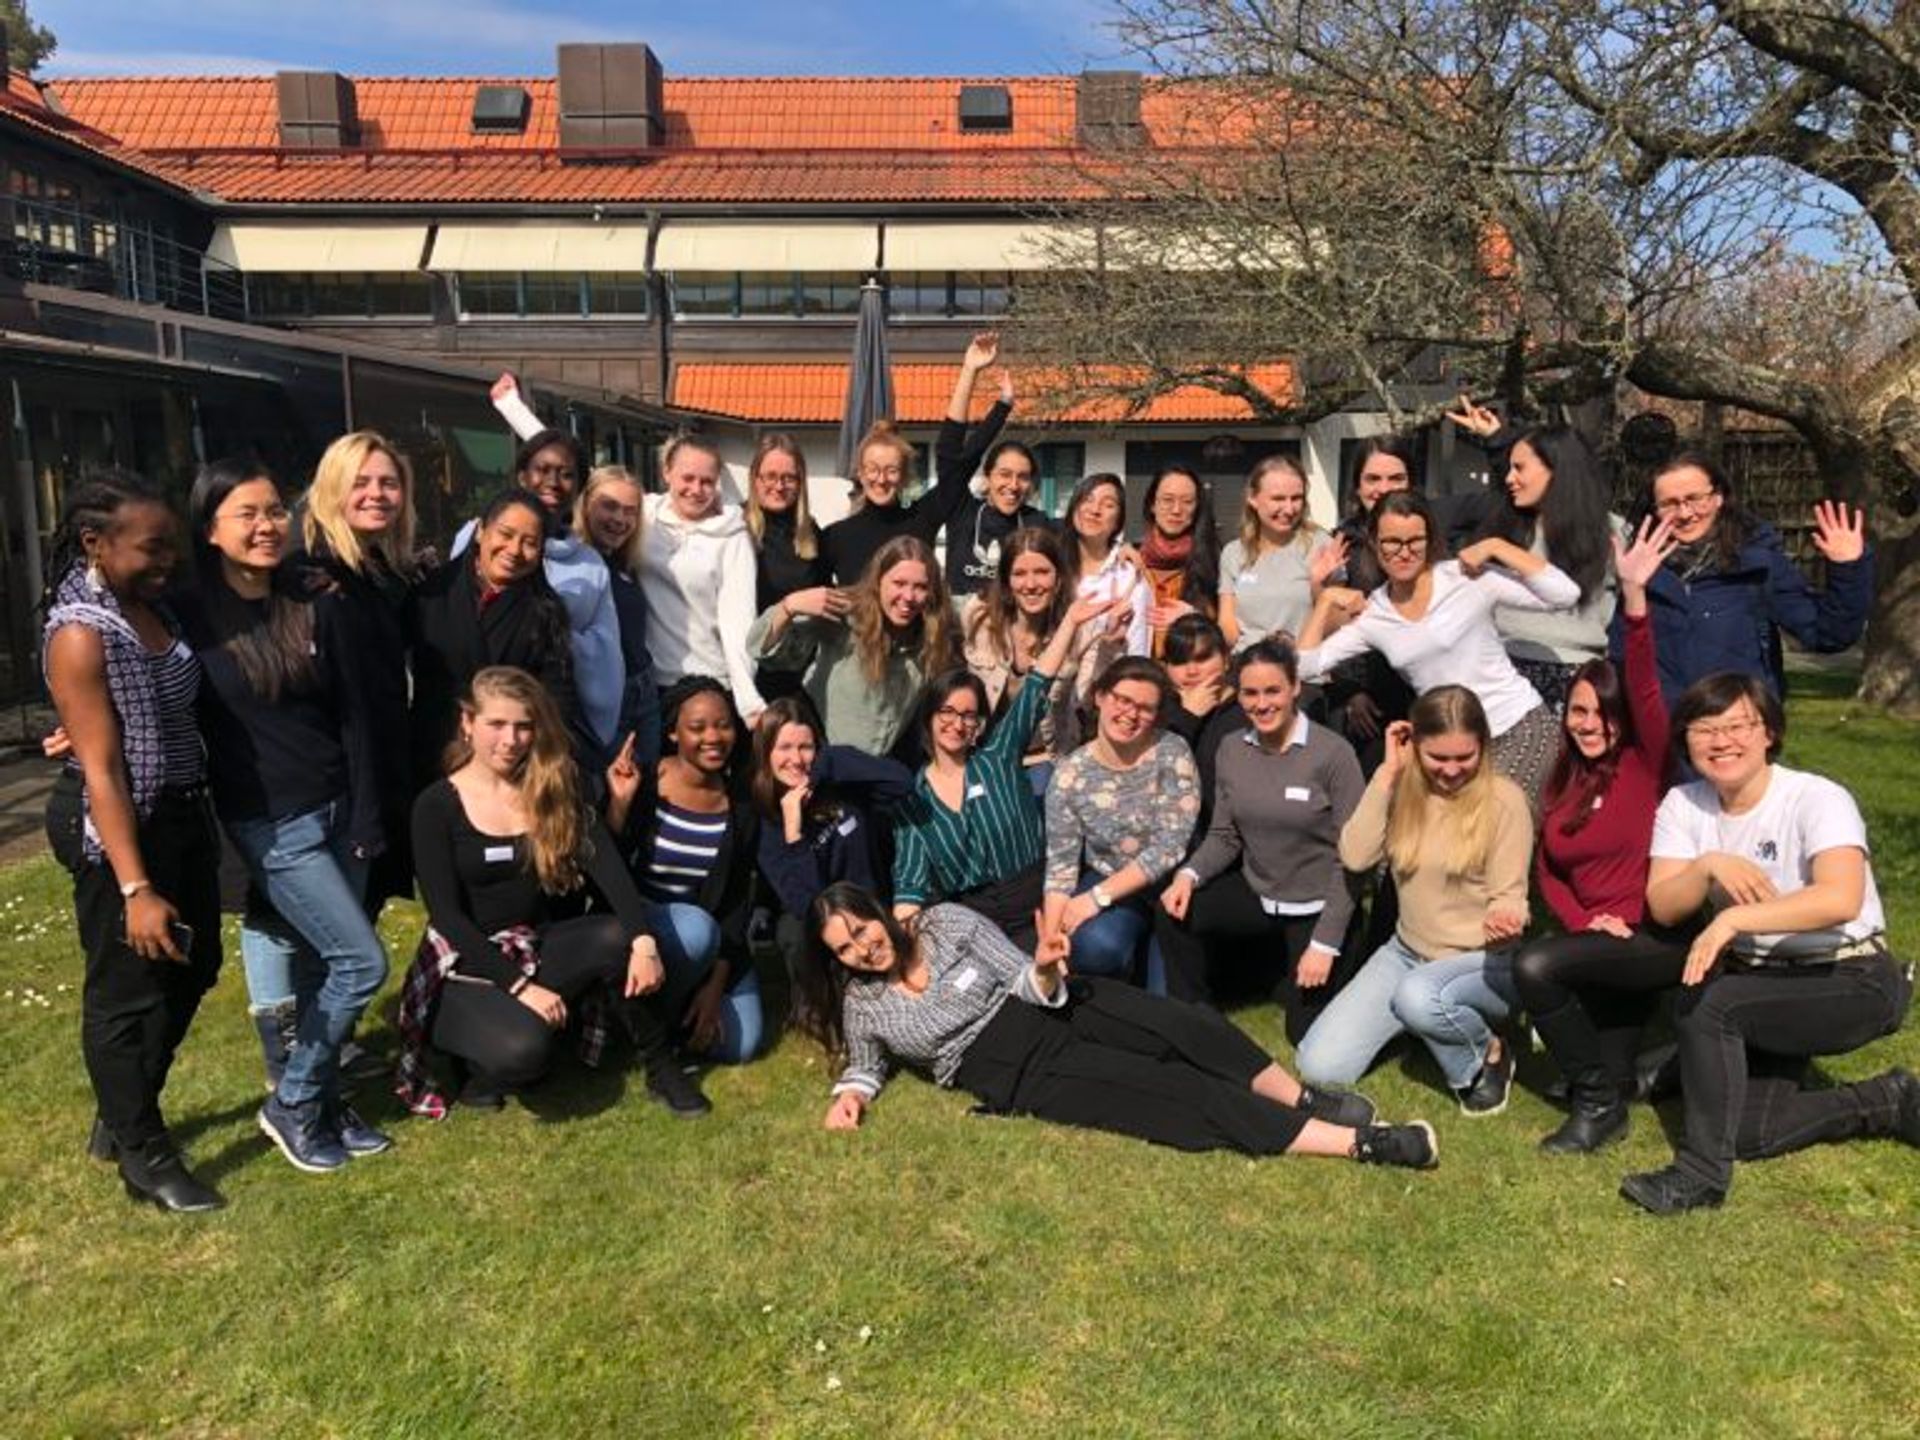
x=1725 y=594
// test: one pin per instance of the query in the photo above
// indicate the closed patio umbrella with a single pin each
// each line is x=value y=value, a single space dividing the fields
x=870 y=385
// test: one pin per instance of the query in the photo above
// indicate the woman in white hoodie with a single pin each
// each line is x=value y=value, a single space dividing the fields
x=697 y=569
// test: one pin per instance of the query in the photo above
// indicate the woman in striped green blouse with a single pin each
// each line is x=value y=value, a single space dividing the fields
x=972 y=829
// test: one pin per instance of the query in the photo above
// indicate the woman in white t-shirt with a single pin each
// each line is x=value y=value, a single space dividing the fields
x=1433 y=622
x=1271 y=573
x=1792 y=964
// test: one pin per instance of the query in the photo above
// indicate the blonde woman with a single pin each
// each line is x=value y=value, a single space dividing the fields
x=1458 y=837
x=786 y=543
x=1271 y=575
x=699 y=575
x=883 y=472
x=505 y=842
x=608 y=516
x=864 y=672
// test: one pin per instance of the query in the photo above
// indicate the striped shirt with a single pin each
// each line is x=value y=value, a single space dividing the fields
x=972 y=970
x=681 y=855
x=997 y=832
x=176 y=686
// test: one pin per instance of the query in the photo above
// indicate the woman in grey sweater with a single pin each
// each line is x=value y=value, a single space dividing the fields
x=956 y=998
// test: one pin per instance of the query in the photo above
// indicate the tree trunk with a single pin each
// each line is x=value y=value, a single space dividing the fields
x=1892 y=674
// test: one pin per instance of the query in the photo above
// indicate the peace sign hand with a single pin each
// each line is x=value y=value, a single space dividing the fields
x=1475 y=419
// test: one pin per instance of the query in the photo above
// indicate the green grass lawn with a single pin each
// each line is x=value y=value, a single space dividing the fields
x=594 y=1267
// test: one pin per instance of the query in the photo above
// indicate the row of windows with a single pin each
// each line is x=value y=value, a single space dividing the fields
x=507 y=294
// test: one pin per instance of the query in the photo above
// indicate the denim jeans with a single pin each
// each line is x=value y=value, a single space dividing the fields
x=307 y=872
x=1109 y=943
x=689 y=941
x=1447 y=1003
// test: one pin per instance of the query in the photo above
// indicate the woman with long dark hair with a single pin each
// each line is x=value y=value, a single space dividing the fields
x=1180 y=550
x=1102 y=566
x=953 y=996
x=1590 y=988
x=1792 y=961
x=295 y=784
x=1728 y=590
x=1363 y=695
x=508 y=851
x=128 y=818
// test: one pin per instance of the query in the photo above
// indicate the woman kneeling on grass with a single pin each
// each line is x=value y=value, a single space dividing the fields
x=505 y=848
x=1098 y=1054
x=1794 y=962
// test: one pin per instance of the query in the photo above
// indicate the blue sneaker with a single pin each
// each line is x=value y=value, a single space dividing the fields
x=357 y=1137
x=303 y=1135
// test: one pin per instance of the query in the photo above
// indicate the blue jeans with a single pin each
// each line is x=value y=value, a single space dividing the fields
x=1109 y=943
x=317 y=934
x=1447 y=1003
x=689 y=941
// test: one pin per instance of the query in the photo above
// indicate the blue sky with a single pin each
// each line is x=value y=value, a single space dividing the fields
x=516 y=37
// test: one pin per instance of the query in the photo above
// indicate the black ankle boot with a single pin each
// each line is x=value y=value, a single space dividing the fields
x=155 y=1173
x=672 y=1087
x=1598 y=1116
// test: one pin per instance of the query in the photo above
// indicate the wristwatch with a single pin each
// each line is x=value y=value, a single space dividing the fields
x=134 y=887
x=1101 y=897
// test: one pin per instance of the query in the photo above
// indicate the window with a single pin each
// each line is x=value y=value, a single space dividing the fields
x=832 y=294
x=766 y=292
x=944 y=293
x=400 y=294
x=489 y=292
x=829 y=295
x=552 y=295
x=338 y=294
x=618 y=292
x=981 y=292
x=704 y=293
x=1062 y=463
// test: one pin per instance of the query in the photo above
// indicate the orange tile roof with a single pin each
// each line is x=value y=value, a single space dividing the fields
x=22 y=105
x=808 y=394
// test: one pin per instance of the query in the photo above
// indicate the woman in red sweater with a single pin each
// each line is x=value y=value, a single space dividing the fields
x=1590 y=988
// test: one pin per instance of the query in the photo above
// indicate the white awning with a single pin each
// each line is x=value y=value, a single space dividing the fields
x=693 y=245
x=325 y=248
x=537 y=247
x=926 y=246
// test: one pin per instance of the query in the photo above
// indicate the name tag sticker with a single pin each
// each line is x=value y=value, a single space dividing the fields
x=848 y=825
x=976 y=791
x=1248 y=577
x=498 y=854
x=1298 y=792
x=964 y=981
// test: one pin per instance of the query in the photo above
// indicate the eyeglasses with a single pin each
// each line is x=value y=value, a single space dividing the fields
x=882 y=472
x=1133 y=708
x=1724 y=729
x=1687 y=504
x=947 y=715
x=1417 y=546
x=778 y=477
x=249 y=515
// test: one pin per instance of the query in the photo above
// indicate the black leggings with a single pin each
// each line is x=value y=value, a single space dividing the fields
x=1116 y=1058
x=1229 y=946
x=481 y=1024
x=1590 y=994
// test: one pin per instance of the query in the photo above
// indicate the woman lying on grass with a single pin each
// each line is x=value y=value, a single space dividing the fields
x=1095 y=1053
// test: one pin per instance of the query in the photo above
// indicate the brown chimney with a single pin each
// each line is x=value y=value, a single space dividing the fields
x=1107 y=109
x=316 y=110
x=611 y=97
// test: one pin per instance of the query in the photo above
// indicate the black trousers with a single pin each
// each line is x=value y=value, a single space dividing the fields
x=1591 y=994
x=1011 y=903
x=510 y=1046
x=1228 y=947
x=1745 y=1038
x=134 y=1013
x=1116 y=1058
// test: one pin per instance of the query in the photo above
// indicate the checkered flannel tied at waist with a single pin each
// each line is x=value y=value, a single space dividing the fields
x=420 y=993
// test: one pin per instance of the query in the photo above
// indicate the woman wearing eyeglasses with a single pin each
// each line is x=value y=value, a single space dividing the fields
x=1728 y=590
x=1433 y=621
x=788 y=556
x=1792 y=964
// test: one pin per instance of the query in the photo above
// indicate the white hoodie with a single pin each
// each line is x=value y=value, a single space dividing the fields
x=699 y=578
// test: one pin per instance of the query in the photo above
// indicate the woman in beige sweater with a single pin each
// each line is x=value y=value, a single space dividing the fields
x=1459 y=838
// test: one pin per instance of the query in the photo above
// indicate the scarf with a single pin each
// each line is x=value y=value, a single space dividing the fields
x=1158 y=552
x=82 y=600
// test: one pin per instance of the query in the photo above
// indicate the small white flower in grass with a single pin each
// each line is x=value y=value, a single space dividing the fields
x=1617 y=1283
x=866 y=1333
x=819 y=1347
x=833 y=1383
x=767 y=1309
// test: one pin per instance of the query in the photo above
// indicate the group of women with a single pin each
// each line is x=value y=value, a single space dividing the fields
x=676 y=773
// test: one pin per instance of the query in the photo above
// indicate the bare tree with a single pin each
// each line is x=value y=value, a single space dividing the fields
x=1546 y=198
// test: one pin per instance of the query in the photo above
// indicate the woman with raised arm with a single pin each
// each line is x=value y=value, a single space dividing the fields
x=1265 y=890
x=608 y=516
x=508 y=851
x=1180 y=552
x=698 y=571
x=981 y=527
x=952 y=995
x=864 y=672
x=1271 y=573
x=788 y=554
x=1120 y=816
x=972 y=829
x=1792 y=961
x=1591 y=988
x=883 y=470
x=1458 y=837
x=291 y=766
x=1433 y=621
x=1728 y=590
x=128 y=818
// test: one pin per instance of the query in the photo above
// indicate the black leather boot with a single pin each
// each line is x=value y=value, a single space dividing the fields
x=1598 y=1117
x=155 y=1173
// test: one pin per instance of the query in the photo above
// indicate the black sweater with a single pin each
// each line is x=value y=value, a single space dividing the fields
x=780 y=572
x=475 y=885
